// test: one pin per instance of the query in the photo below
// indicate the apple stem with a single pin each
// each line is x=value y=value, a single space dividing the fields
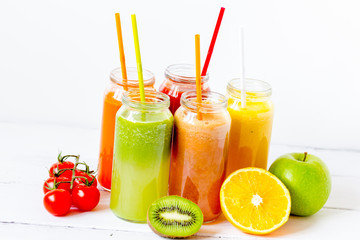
x=305 y=153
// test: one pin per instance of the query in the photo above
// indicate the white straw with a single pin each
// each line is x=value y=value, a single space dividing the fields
x=242 y=67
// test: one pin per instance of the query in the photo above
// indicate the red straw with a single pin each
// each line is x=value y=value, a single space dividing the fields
x=213 y=40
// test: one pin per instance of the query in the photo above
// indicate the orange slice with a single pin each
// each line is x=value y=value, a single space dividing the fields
x=255 y=201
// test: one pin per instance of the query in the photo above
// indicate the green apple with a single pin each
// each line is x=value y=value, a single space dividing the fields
x=308 y=180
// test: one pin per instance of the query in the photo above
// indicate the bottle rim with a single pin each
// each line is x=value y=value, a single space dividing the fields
x=132 y=75
x=256 y=90
x=183 y=73
x=211 y=101
x=154 y=100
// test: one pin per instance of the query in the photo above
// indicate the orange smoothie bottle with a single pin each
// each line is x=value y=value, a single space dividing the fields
x=251 y=126
x=112 y=103
x=200 y=150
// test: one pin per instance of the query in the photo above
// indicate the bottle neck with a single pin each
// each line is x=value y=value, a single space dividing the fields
x=183 y=74
x=132 y=77
x=154 y=101
x=255 y=90
x=212 y=102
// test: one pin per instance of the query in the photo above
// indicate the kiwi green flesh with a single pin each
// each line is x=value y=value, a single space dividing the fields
x=174 y=217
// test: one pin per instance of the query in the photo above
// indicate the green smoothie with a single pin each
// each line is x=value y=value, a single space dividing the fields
x=141 y=161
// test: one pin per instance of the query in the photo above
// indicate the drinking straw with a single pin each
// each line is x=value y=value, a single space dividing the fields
x=138 y=58
x=213 y=40
x=121 y=50
x=242 y=68
x=198 y=75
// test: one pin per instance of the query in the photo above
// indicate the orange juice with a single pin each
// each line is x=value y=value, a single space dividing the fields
x=111 y=106
x=199 y=152
x=251 y=126
x=112 y=103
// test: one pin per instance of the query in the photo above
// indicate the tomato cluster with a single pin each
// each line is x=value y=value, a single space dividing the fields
x=68 y=185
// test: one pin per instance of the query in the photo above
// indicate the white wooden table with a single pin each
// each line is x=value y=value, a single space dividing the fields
x=28 y=149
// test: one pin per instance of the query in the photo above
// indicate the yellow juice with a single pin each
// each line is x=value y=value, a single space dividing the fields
x=251 y=127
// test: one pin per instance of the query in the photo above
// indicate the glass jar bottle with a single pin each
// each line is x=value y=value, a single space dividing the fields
x=251 y=126
x=112 y=103
x=143 y=133
x=200 y=151
x=180 y=78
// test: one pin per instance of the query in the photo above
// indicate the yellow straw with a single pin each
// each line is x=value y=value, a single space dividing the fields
x=138 y=58
x=198 y=73
x=121 y=50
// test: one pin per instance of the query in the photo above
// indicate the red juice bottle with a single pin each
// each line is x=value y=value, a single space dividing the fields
x=180 y=78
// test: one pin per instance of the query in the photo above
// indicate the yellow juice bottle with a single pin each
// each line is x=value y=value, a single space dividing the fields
x=251 y=124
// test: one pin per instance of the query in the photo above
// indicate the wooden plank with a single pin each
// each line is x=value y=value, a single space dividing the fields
x=31 y=148
x=327 y=224
x=10 y=231
x=41 y=143
x=31 y=211
x=340 y=162
x=44 y=141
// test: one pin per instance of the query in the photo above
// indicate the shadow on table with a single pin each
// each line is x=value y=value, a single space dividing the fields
x=298 y=224
x=212 y=228
x=292 y=227
x=102 y=206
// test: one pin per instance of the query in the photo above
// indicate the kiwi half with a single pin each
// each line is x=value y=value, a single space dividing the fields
x=174 y=217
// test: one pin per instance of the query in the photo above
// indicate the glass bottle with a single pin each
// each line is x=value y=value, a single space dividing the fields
x=143 y=133
x=200 y=150
x=180 y=78
x=112 y=103
x=251 y=126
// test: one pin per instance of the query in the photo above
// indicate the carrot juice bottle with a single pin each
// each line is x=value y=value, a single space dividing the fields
x=250 y=126
x=112 y=103
x=180 y=78
x=200 y=150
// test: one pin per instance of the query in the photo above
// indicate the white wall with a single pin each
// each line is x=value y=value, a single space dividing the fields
x=55 y=58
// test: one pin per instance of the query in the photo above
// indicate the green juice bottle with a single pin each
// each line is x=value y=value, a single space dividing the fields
x=141 y=154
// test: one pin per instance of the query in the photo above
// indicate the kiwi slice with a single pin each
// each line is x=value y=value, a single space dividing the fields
x=174 y=217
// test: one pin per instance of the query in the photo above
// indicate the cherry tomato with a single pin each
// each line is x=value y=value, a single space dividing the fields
x=85 y=197
x=58 y=169
x=57 y=183
x=81 y=178
x=63 y=168
x=57 y=202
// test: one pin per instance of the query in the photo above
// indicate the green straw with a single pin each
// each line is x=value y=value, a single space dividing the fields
x=138 y=58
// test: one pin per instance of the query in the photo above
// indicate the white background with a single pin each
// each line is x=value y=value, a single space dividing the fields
x=55 y=60
x=56 y=56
